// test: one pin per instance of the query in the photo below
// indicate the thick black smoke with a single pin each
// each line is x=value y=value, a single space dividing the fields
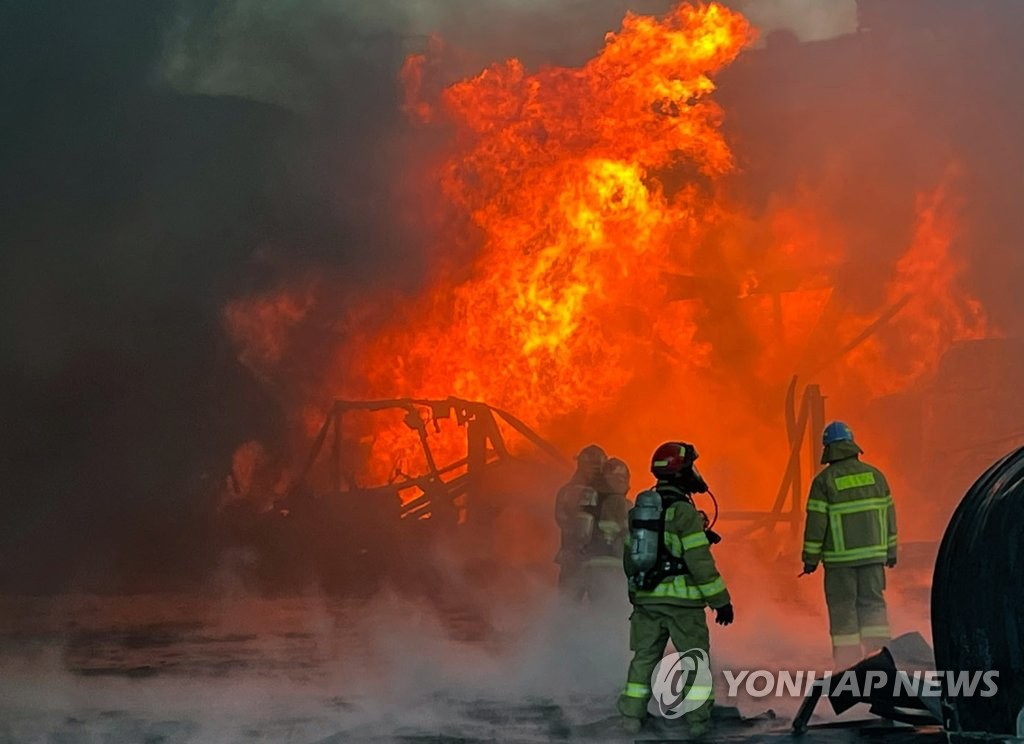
x=133 y=209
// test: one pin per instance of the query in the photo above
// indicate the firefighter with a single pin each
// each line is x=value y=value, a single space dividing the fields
x=581 y=489
x=602 y=552
x=672 y=579
x=851 y=529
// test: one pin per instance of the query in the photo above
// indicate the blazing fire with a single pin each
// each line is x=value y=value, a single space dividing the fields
x=940 y=311
x=558 y=172
x=616 y=292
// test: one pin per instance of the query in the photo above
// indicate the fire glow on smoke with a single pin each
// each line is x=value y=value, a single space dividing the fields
x=615 y=291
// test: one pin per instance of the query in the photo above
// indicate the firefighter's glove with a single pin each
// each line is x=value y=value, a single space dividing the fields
x=724 y=614
x=891 y=563
x=810 y=568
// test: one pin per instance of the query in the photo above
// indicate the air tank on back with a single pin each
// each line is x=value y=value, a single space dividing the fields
x=642 y=554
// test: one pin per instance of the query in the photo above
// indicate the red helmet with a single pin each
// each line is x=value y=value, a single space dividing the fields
x=672 y=459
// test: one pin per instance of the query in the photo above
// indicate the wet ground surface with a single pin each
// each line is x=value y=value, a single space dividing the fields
x=188 y=669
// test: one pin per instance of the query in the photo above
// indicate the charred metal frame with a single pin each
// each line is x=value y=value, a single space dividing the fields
x=485 y=446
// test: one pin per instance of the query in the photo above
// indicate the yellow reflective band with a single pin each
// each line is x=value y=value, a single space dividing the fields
x=875 y=631
x=892 y=541
x=857 y=480
x=838 y=538
x=844 y=556
x=812 y=547
x=609 y=525
x=712 y=588
x=677 y=587
x=866 y=550
x=660 y=463
x=850 y=639
x=699 y=691
x=695 y=540
x=860 y=505
x=674 y=544
x=604 y=560
x=635 y=690
x=817 y=505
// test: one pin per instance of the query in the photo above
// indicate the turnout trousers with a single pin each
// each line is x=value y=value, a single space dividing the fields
x=572 y=580
x=650 y=628
x=858 y=621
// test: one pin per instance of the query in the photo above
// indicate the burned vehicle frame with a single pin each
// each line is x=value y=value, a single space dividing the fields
x=331 y=529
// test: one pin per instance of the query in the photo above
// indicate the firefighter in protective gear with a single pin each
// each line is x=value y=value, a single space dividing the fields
x=675 y=607
x=851 y=529
x=572 y=523
x=602 y=552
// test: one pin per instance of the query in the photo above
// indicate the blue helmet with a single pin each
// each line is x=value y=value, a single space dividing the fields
x=837 y=431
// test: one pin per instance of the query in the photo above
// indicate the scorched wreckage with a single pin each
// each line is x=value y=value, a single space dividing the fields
x=332 y=527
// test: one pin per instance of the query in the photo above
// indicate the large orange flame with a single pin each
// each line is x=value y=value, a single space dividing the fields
x=615 y=293
x=558 y=170
x=939 y=309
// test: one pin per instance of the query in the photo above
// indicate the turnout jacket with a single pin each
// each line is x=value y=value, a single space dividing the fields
x=851 y=519
x=685 y=538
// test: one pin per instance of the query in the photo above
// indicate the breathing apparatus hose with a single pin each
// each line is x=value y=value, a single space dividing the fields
x=714 y=519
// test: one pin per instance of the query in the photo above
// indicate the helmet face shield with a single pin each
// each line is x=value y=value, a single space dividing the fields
x=697 y=484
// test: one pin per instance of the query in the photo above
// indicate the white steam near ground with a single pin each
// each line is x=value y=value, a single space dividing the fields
x=228 y=666
x=306 y=668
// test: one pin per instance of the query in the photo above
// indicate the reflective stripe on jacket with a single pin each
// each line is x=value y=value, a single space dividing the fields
x=685 y=538
x=606 y=543
x=851 y=520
